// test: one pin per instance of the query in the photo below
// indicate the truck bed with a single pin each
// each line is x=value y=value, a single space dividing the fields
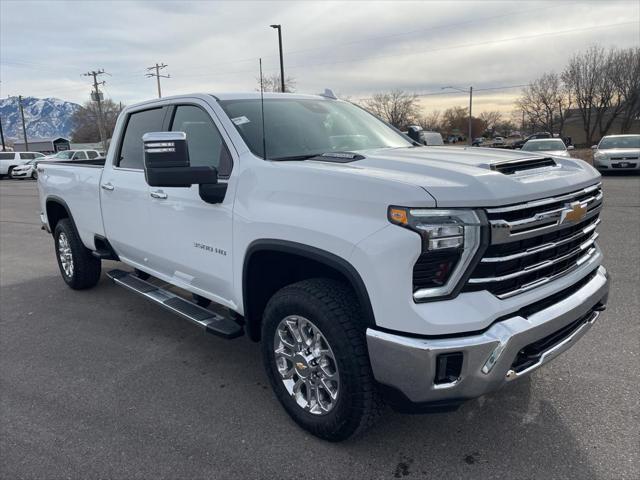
x=77 y=185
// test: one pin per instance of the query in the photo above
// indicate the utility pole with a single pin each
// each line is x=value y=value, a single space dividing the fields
x=470 y=140
x=279 y=28
x=24 y=128
x=95 y=95
x=157 y=68
x=2 y=136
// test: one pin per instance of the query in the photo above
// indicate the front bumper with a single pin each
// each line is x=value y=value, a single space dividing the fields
x=616 y=165
x=20 y=174
x=408 y=364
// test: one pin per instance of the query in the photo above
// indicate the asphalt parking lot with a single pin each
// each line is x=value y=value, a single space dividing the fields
x=102 y=384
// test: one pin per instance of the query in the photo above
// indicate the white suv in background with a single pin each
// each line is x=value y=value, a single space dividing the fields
x=10 y=160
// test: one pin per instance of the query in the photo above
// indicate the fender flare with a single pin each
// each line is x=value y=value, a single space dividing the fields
x=312 y=253
x=63 y=204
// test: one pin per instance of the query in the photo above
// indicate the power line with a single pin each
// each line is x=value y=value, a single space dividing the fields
x=466 y=45
x=157 y=68
x=421 y=30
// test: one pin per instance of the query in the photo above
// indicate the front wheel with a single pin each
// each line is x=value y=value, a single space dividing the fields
x=314 y=348
x=78 y=267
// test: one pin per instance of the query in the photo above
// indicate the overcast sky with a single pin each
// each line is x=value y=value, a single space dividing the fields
x=355 y=48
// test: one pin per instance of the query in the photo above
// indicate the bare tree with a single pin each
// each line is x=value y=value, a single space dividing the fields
x=545 y=103
x=455 y=120
x=271 y=83
x=595 y=78
x=85 y=121
x=491 y=119
x=396 y=107
x=626 y=77
x=431 y=121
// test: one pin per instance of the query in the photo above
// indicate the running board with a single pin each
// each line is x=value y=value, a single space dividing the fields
x=212 y=322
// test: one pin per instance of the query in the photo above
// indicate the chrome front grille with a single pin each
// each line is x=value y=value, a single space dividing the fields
x=536 y=242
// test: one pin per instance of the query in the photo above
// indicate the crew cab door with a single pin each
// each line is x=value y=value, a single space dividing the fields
x=124 y=193
x=190 y=239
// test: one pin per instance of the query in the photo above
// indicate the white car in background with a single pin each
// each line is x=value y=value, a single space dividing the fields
x=72 y=155
x=26 y=170
x=617 y=152
x=552 y=146
x=10 y=160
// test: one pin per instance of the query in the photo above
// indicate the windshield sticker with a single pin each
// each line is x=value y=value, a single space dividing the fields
x=240 y=120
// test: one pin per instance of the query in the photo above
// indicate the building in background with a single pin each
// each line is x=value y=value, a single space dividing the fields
x=574 y=128
x=43 y=145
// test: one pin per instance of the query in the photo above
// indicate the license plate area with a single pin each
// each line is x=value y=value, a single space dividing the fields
x=623 y=165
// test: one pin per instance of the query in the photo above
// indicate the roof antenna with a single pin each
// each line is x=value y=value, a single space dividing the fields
x=264 y=139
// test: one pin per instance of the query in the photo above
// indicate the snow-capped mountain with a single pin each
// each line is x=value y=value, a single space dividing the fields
x=44 y=117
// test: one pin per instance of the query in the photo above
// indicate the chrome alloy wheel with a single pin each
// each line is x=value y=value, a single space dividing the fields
x=306 y=364
x=64 y=252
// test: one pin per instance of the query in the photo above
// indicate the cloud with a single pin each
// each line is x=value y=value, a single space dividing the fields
x=355 y=48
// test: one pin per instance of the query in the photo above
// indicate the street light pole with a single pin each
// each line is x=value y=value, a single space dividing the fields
x=279 y=28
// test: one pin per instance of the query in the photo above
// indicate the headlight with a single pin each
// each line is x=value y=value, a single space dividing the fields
x=450 y=239
x=598 y=156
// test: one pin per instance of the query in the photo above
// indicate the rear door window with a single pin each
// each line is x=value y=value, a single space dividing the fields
x=80 y=156
x=92 y=154
x=7 y=156
x=138 y=124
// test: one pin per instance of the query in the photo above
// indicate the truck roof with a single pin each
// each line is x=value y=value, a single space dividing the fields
x=229 y=96
x=256 y=95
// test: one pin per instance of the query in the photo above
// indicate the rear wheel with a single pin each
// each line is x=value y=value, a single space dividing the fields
x=78 y=267
x=314 y=348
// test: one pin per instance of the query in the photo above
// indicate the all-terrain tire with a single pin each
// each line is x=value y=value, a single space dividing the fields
x=333 y=308
x=83 y=271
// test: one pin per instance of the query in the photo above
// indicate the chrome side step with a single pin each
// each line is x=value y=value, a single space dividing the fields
x=212 y=322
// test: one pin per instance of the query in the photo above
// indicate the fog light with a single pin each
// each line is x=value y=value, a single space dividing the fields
x=493 y=359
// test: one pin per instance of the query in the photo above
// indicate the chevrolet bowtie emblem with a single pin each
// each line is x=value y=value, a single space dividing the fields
x=573 y=212
x=300 y=366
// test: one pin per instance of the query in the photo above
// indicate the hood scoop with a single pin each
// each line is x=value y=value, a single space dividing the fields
x=339 y=157
x=511 y=167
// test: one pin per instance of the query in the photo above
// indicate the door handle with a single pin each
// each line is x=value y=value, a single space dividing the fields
x=159 y=194
x=107 y=186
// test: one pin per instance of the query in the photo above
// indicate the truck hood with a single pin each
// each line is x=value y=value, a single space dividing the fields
x=461 y=177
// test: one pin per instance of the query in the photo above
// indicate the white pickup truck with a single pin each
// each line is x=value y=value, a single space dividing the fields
x=372 y=269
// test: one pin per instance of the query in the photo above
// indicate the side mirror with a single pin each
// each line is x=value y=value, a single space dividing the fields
x=593 y=147
x=571 y=147
x=166 y=162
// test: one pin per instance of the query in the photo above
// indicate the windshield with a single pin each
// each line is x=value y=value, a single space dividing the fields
x=303 y=127
x=544 y=145
x=632 y=141
x=65 y=155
